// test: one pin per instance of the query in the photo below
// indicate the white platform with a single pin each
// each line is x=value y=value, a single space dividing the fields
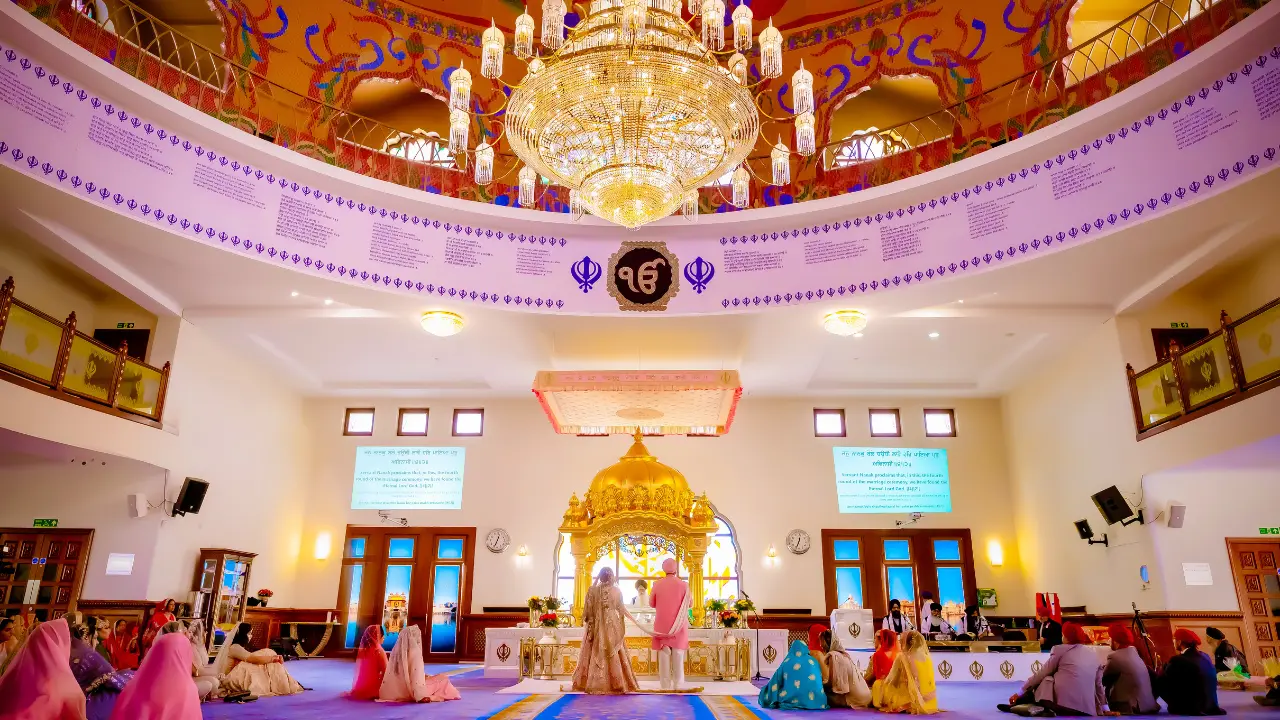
x=981 y=667
x=856 y=628
x=530 y=686
x=502 y=646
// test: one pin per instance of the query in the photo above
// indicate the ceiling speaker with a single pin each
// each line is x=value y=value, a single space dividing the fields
x=1177 y=514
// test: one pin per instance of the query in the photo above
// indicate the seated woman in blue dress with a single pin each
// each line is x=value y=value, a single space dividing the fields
x=100 y=682
x=797 y=684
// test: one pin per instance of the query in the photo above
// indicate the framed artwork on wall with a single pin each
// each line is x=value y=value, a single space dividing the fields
x=987 y=598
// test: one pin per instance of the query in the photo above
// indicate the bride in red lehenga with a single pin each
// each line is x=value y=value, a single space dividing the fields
x=603 y=664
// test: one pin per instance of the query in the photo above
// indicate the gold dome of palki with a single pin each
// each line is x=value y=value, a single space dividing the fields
x=639 y=482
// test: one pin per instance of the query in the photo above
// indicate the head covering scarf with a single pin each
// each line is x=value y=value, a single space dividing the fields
x=195 y=633
x=119 y=646
x=797 y=684
x=38 y=684
x=815 y=638
x=406 y=678
x=371 y=665
x=222 y=663
x=93 y=672
x=1183 y=635
x=1121 y=635
x=903 y=679
x=162 y=689
x=882 y=659
x=669 y=566
x=1073 y=634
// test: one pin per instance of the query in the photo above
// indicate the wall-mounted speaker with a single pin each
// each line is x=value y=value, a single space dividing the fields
x=1177 y=514
x=191 y=497
x=137 y=505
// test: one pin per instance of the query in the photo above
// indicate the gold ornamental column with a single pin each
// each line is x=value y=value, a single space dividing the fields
x=581 y=579
x=693 y=561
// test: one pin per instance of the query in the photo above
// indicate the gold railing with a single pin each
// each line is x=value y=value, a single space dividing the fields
x=1240 y=359
x=146 y=48
x=39 y=351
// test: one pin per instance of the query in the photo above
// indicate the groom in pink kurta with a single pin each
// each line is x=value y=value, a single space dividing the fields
x=670 y=598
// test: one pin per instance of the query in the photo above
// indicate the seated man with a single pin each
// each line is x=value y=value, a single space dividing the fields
x=1050 y=632
x=1272 y=698
x=1188 y=684
x=934 y=626
x=1125 y=677
x=974 y=626
x=1223 y=651
x=896 y=620
x=1069 y=682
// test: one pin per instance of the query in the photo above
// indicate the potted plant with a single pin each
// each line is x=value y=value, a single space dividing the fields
x=743 y=606
x=730 y=618
x=714 y=608
x=263 y=595
x=548 y=621
x=535 y=610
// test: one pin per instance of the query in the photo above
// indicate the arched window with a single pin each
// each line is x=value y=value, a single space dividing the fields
x=720 y=568
x=909 y=109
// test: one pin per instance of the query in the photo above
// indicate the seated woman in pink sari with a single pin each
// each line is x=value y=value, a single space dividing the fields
x=603 y=665
x=406 y=678
x=38 y=684
x=371 y=665
x=162 y=688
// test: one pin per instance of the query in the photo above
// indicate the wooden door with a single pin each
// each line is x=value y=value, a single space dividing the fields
x=1253 y=566
x=53 y=562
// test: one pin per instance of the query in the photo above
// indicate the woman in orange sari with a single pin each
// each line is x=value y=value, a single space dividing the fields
x=882 y=664
x=371 y=664
x=123 y=646
x=161 y=616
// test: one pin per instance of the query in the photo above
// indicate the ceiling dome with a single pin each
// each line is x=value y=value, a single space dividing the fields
x=639 y=482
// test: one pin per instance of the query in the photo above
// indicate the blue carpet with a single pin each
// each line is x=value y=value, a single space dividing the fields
x=480 y=701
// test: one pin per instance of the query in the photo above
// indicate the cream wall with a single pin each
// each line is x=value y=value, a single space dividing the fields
x=1070 y=434
x=769 y=475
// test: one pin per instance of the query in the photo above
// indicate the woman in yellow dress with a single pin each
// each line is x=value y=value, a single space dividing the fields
x=259 y=673
x=910 y=687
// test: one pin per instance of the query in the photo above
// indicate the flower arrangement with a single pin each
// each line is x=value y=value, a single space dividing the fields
x=744 y=605
x=730 y=618
x=265 y=593
x=548 y=620
x=716 y=606
x=551 y=603
x=535 y=604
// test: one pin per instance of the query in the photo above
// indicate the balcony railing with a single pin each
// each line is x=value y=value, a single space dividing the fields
x=41 y=353
x=1241 y=359
x=153 y=52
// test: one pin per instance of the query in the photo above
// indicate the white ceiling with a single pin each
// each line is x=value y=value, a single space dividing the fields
x=992 y=327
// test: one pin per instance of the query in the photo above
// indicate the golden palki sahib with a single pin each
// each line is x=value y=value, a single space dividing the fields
x=633 y=111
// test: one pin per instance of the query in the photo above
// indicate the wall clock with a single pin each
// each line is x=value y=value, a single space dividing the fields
x=798 y=542
x=497 y=540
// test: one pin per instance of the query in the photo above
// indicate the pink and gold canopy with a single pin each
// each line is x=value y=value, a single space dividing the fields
x=665 y=402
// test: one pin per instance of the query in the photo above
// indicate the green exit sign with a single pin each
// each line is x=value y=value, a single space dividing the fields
x=1179 y=325
x=44 y=523
x=129 y=326
x=1269 y=531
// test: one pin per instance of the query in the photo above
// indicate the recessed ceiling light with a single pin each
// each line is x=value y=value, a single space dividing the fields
x=328 y=301
x=933 y=335
x=442 y=323
x=844 y=322
x=960 y=301
x=293 y=294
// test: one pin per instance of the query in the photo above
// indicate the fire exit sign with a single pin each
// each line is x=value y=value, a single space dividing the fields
x=124 y=326
x=1269 y=531
x=44 y=523
x=1177 y=325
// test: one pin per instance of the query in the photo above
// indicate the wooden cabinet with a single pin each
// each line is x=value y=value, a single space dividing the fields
x=220 y=591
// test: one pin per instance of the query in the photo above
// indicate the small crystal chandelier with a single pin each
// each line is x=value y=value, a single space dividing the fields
x=631 y=109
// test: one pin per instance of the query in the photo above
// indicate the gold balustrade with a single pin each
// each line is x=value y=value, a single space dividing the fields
x=39 y=352
x=1239 y=360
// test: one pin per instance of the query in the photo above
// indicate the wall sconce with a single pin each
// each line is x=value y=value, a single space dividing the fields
x=323 y=541
x=995 y=553
x=523 y=551
x=772 y=556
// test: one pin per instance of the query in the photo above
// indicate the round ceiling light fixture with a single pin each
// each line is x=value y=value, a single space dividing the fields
x=844 y=322
x=442 y=323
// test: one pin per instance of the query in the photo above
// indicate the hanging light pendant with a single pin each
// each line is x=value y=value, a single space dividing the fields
x=689 y=207
x=523 y=45
x=460 y=89
x=713 y=24
x=742 y=17
x=695 y=7
x=802 y=90
x=741 y=186
x=576 y=208
x=781 y=157
x=738 y=68
x=634 y=17
x=528 y=182
x=806 y=141
x=484 y=163
x=771 y=51
x=553 y=12
x=459 y=129
x=492 y=42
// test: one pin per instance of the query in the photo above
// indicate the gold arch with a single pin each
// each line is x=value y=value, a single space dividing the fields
x=638 y=499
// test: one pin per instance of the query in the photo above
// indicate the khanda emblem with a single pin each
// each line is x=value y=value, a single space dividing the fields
x=586 y=272
x=643 y=276
x=699 y=273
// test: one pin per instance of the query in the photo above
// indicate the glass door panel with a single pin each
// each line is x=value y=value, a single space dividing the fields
x=901 y=582
x=447 y=589
x=353 y=578
x=395 y=603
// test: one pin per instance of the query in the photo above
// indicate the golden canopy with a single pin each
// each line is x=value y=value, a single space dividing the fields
x=640 y=501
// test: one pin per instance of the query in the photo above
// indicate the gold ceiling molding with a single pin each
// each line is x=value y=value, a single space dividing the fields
x=664 y=402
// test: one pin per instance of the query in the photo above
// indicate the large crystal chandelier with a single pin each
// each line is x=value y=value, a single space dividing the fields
x=633 y=111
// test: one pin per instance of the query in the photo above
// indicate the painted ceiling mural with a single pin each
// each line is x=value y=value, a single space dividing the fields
x=323 y=50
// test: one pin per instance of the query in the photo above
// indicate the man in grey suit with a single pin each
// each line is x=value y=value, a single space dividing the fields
x=1126 y=678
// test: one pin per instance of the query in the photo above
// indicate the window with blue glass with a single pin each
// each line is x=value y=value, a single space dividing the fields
x=849 y=584
x=946 y=550
x=899 y=550
x=846 y=550
x=355 y=547
x=449 y=549
x=901 y=580
x=951 y=586
x=400 y=548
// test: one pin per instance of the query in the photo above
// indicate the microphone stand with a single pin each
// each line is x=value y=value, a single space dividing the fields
x=757 y=676
x=1146 y=639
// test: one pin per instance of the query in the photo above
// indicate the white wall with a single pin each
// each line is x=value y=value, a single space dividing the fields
x=1070 y=434
x=769 y=475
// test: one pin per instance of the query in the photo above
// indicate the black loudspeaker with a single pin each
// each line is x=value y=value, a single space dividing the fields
x=191 y=497
x=1112 y=505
